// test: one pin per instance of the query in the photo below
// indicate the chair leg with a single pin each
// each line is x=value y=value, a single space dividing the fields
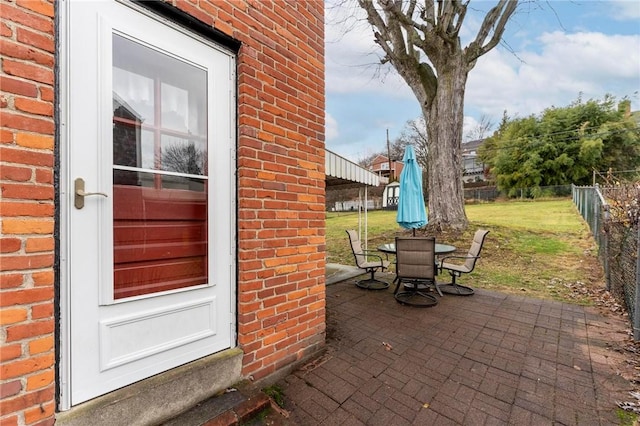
x=397 y=285
x=454 y=288
x=435 y=284
x=372 y=283
x=414 y=296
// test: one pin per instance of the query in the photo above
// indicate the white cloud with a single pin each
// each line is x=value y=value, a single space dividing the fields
x=470 y=123
x=352 y=57
x=593 y=64
x=331 y=127
x=624 y=10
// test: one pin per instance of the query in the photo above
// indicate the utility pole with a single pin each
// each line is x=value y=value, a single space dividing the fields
x=391 y=175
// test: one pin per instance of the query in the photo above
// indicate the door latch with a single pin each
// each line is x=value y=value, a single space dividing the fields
x=80 y=193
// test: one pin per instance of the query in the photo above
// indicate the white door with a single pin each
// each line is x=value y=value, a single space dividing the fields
x=150 y=248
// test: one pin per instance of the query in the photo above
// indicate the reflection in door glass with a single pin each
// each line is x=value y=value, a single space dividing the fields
x=160 y=182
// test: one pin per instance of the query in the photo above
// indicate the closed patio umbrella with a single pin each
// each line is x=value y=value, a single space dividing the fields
x=411 y=211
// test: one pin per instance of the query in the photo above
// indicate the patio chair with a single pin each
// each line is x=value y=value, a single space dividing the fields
x=462 y=265
x=368 y=260
x=416 y=270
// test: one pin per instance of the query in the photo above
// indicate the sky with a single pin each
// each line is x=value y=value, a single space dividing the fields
x=553 y=52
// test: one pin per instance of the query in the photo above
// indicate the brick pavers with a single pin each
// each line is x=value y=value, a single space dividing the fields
x=487 y=359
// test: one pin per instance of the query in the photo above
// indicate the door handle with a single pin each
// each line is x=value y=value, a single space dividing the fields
x=79 y=193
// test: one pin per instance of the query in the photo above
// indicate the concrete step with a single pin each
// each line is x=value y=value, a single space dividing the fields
x=230 y=408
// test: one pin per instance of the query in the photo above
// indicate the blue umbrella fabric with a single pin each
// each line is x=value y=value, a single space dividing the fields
x=411 y=211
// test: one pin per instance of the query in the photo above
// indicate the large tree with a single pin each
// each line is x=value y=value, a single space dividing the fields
x=422 y=42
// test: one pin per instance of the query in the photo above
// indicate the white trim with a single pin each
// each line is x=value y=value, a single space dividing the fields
x=64 y=366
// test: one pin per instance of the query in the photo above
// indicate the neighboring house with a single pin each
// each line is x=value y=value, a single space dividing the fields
x=163 y=205
x=391 y=195
x=382 y=167
x=473 y=168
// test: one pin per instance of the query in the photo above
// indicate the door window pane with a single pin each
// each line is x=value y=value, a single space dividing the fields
x=160 y=233
x=160 y=172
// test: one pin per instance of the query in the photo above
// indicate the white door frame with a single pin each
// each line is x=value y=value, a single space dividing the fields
x=66 y=197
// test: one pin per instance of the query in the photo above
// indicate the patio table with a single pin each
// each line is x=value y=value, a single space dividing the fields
x=390 y=248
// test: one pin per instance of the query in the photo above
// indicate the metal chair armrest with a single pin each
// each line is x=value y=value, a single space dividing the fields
x=440 y=265
x=371 y=253
x=442 y=259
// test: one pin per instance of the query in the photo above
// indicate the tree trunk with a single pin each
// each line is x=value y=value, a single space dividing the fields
x=444 y=126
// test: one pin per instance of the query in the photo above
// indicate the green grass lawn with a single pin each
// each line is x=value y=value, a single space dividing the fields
x=536 y=248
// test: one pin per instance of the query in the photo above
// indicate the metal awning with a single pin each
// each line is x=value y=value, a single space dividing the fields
x=343 y=173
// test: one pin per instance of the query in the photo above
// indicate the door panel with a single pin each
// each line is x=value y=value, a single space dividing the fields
x=150 y=262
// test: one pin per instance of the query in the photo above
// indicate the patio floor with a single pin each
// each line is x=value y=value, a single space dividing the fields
x=486 y=359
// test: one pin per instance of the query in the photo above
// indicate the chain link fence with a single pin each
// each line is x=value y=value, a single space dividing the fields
x=491 y=193
x=618 y=249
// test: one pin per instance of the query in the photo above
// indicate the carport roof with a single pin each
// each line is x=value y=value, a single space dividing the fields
x=341 y=172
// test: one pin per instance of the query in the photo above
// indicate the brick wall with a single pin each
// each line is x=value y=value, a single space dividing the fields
x=27 y=130
x=281 y=243
x=281 y=247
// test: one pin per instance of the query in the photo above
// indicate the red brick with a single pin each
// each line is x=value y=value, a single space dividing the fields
x=28 y=71
x=32 y=38
x=10 y=245
x=28 y=296
x=6 y=136
x=27 y=226
x=10 y=389
x=28 y=331
x=46 y=93
x=20 y=262
x=40 y=380
x=44 y=310
x=17 y=208
x=34 y=106
x=21 y=156
x=19 y=87
x=27 y=191
x=29 y=140
x=44 y=175
x=5 y=31
x=41 y=7
x=43 y=278
x=39 y=244
x=13 y=316
x=16 y=174
x=11 y=281
x=22 y=122
x=10 y=352
x=25 y=53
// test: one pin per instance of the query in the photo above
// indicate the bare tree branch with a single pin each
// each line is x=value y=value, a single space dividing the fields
x=496 y=21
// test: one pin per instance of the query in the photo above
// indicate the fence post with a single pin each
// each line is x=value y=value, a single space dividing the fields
x=636 y=315
x=606 y=227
